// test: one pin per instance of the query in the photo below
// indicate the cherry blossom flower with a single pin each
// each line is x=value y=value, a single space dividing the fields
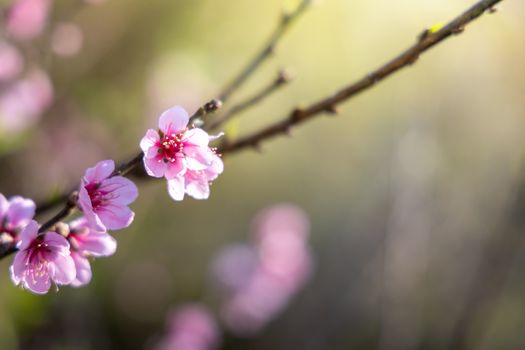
x=86 y=242
x=12 y=62
x=15 y=214
x=191 y=327
x=104 y=199
x=42 y=260
x=258 y=280
x=24 y=101
x=181 y=155
x=67 y=39
x=196 y=183
x=26 y=19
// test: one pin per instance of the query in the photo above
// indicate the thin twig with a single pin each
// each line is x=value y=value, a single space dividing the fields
x=68 y=209
x=281 y=80
x=49 y=204
x=328 y=105
x=205 y=110
x=426 y=41
x=122 y=170
x=284 y=24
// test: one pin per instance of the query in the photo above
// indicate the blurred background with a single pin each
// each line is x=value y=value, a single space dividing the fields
x=414 y=192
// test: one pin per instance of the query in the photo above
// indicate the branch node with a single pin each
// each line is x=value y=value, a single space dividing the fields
x=296 y=115
x=285 y=18
x=72 y=199
x=458 y=30
x=283 y=77
x=423 y=35
x=257 y=146
x=413 y=59
x=331 y=110
x=373 y=77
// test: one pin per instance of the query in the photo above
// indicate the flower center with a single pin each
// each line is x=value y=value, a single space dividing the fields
x=171 y=146
x=37 y=266
x=96 y=195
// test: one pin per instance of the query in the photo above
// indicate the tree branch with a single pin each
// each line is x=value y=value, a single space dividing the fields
x=425 y=41
x=281 y=80
x=327 y=105
x=286 y=20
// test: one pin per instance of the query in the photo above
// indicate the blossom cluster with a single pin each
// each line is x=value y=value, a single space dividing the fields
x=26 y=90
x=59 y=254
x=257 y=280
x=190 y=327
x=181 y=155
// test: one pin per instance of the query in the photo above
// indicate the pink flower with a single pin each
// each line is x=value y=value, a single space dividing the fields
x=191 y=327
x=15 y=214
x=259 y=280
x=196 y=183
x=86 y=242
x=26 y=19
x=12 y=62
x=67 y=39
x=104 y=200
x=181 y=155
x=25 y=100
x=41 y=260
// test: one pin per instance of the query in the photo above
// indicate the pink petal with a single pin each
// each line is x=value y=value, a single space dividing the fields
x=122 y=191
x=20 y=211
x=83 y=270
x=196 y=137
x=83 y=223
x=198 y=158
x=57 y=243
x=116 y=217
x=18 y=267
x=98 y=244
x=4 y=204
x=100 y=171
x=176 y=188
x=149 y=140
x=173 y=120
x=84 y=202
x=37 y=283
x=12 y=62
x=175 y=169
x=62 y=269
x=154 y=167
x=92 y=218
x=28 y=235
x=26 y=19
x=216 y=168
x=198 y=187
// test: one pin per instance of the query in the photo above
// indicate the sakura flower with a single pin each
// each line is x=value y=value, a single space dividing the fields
x=12 y=62
x=24 y=100
x=191 y=327
x=195 y=183
x=42 y=260
x=15 y=214
x=181 y=155
x=104 y=199
x=258 y=280
x=85 y=242
x=67 y=39
x=26 y=19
